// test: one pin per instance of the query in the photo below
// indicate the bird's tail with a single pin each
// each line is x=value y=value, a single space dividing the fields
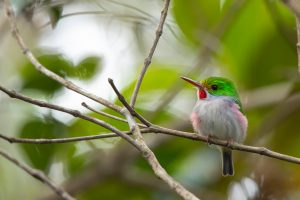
x=227 y=163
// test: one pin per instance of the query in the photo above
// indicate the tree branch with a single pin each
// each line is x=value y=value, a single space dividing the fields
x=39 y=176
x=152 y=129
x=129 y=108
x=147 y=61
x=234 y=146
x=72 y=112
x=147 y=153
x=66 y=140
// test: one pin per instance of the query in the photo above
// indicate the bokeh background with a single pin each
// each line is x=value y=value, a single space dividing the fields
x=87 y=41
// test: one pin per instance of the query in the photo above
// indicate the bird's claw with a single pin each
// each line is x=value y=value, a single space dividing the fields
x=229 y=143
x=209 y=142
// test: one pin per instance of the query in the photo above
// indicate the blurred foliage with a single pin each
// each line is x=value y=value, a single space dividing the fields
x=252 y=42
x=41 y=156
x=55 y=14
x=114 y=189
x=57 y=63
x=197 y=18
x=264 y=60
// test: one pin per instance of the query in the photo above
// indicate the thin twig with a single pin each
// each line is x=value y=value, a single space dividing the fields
x=107 y=115
x=72 y=112
x=152 y=129
x=234 y=146
x=160 y=130
x=147 y=61
x=65 y=140
x=149 y=156
x=39 y=176
x=42 y=69
x=130 y=109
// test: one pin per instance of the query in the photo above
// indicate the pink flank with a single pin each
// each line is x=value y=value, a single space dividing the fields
x=195 y=120
x=242 y=119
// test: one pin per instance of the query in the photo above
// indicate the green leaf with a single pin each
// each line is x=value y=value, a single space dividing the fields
x=34 y=80
x=41 y=155
x=60 y=65
x=75 y=163
x=86 y=69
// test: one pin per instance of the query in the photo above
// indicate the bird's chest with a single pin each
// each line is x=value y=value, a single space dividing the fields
x=217 y=118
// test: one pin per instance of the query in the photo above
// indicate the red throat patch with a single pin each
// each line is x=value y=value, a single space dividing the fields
x=202 y=94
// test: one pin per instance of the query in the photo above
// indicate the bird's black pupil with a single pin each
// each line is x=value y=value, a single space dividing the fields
x=214 y=87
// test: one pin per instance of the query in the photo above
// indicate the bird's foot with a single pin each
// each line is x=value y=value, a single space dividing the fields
x=230 y=142
x=209 y=136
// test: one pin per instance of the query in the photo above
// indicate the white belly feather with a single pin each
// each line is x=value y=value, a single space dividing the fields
x=219 y=118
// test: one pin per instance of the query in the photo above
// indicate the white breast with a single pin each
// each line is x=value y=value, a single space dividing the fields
x=220 y=118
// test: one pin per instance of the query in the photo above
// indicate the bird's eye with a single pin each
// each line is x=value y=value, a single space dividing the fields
x=214 y=87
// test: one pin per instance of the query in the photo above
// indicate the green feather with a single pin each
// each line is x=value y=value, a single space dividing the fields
x=219 y=86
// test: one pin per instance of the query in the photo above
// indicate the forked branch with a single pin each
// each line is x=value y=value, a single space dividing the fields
x=149 y=156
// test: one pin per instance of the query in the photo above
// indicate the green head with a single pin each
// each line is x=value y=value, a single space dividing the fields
x=215 y=87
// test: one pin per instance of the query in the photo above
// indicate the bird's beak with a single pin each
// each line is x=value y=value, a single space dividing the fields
x=195 y=83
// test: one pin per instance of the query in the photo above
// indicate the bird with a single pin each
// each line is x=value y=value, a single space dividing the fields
x=218 y=113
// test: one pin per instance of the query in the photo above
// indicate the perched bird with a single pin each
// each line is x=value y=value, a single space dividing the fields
x=218 y=114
